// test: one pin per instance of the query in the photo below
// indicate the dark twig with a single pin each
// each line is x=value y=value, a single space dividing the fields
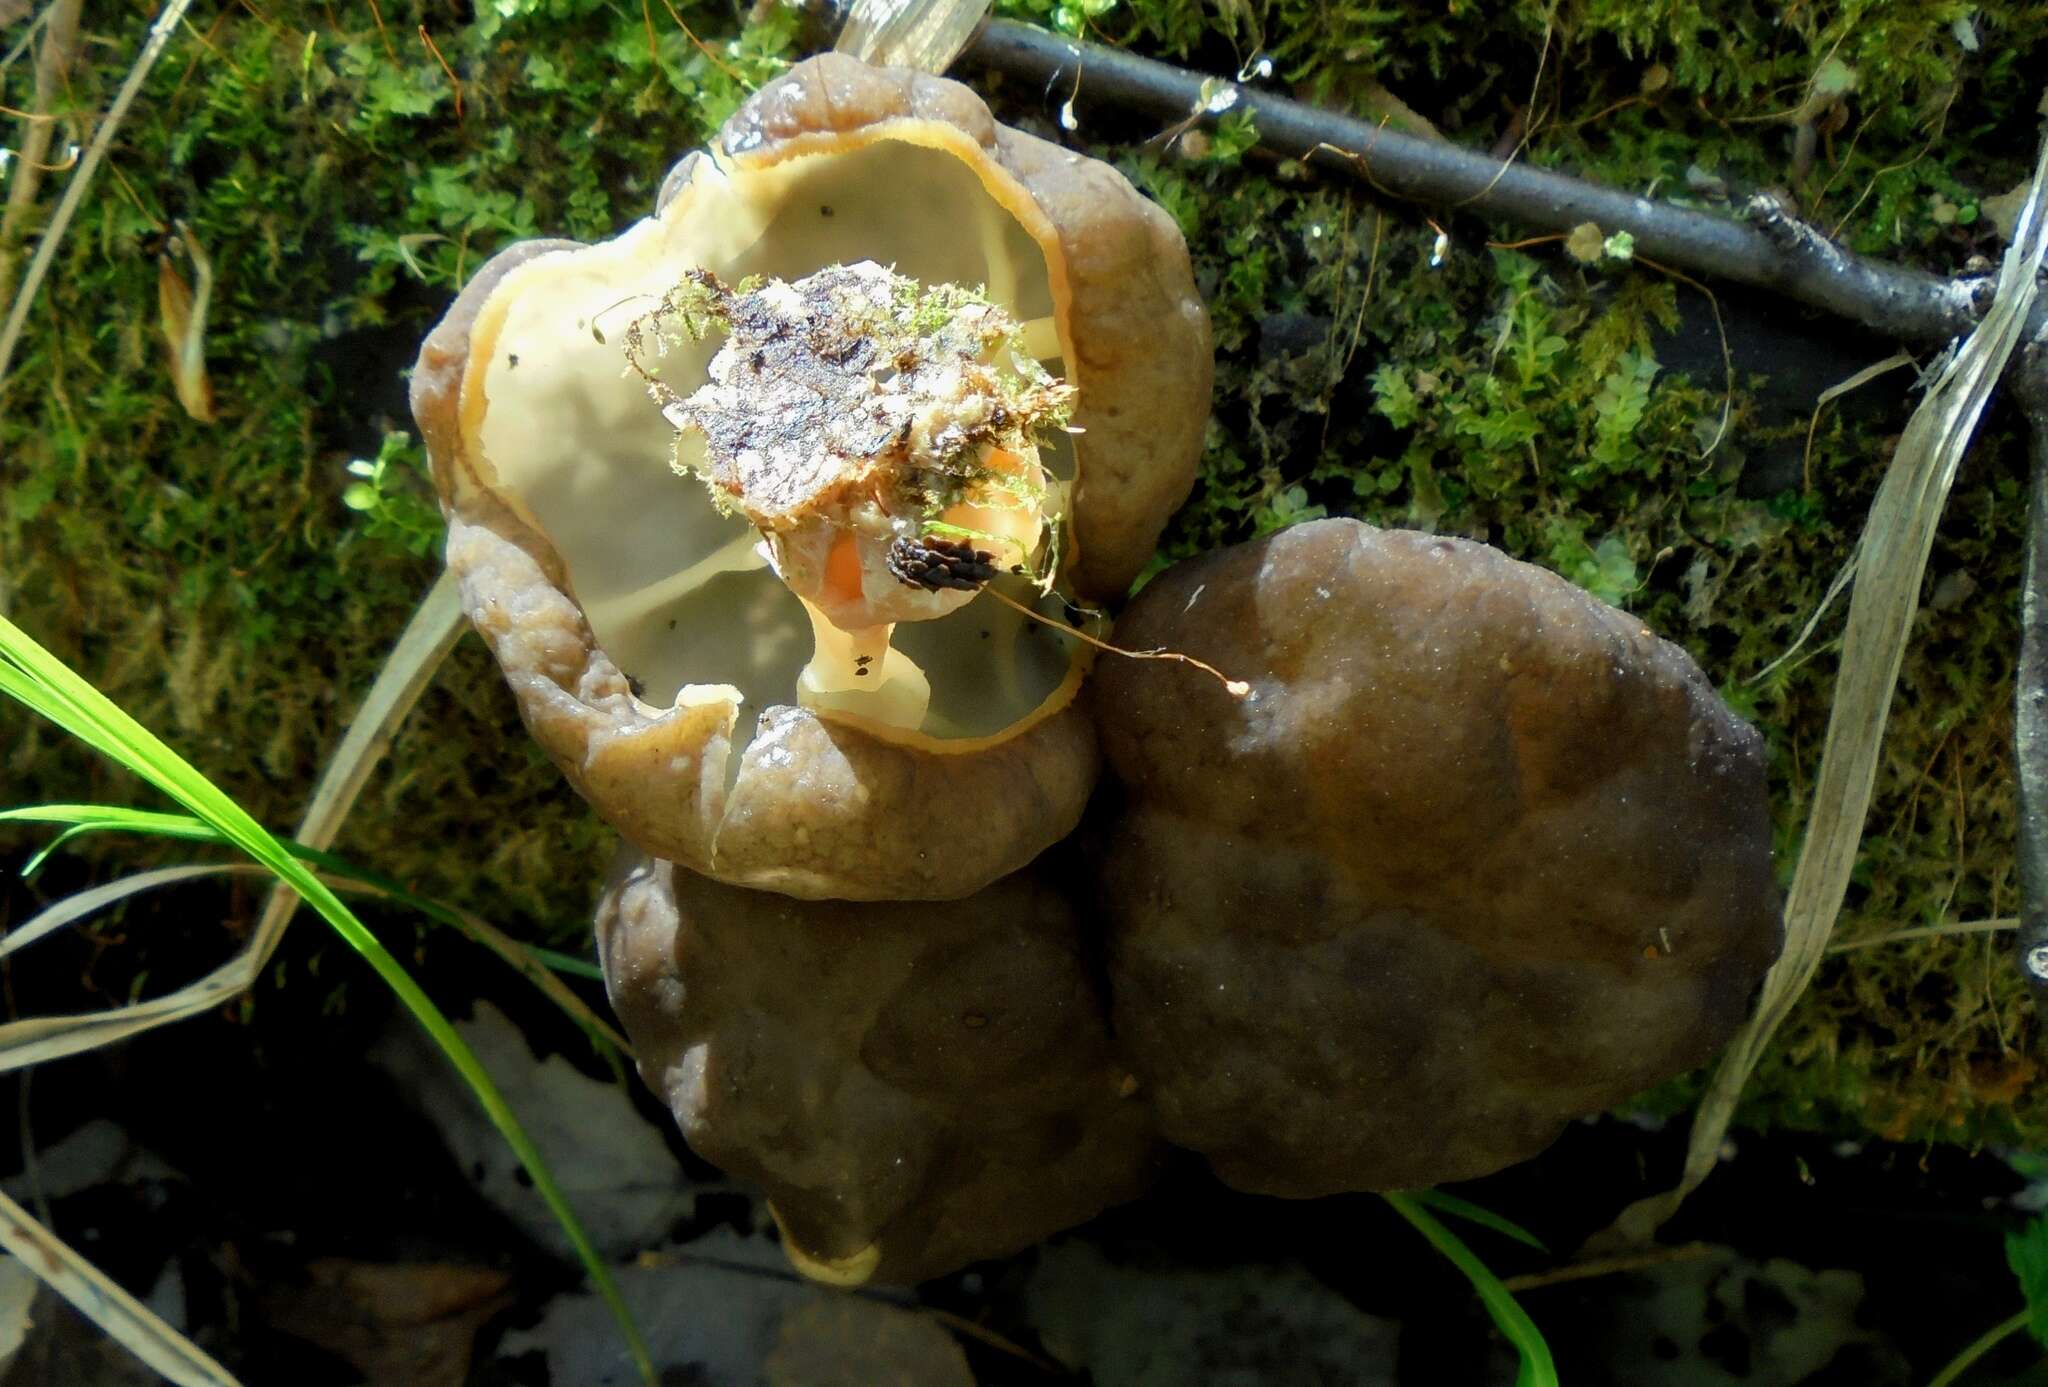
x=2030 y=712
x=1769 y=248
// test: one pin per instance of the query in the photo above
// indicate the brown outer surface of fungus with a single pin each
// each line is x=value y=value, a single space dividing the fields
x=914 y=1087
x=1479 y=854
x=820 y=807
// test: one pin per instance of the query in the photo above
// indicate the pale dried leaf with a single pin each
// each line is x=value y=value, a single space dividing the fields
x=2003 y=210
x=84 y=904
x=845 y=1341
x=183 y=310
x=126 y=1320
x=17 y=1296
x=1892 y=561
x=413 y=1323
x=160 y=32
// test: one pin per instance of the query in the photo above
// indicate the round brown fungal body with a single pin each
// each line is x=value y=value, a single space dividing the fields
x=1478 y=854
x=915 y=1087
x=654 y=653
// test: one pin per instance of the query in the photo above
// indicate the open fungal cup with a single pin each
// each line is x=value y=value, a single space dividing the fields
x=806 y=687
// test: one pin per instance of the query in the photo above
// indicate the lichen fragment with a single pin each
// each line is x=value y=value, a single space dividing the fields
x=882 y=438
x=858 y=398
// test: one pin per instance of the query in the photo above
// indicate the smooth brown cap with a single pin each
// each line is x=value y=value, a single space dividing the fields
x=914 y=1086
x=1478 y=854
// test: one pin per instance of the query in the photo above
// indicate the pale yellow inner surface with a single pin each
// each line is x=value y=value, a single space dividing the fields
x=677 y=595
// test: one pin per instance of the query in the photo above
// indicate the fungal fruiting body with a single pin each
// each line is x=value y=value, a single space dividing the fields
x=1478 y=855
x=912 y=1089
x=883 y=439
x=768 y=348
x=771 y=682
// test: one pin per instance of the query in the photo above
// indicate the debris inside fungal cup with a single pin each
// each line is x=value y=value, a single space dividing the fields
x=881 y=436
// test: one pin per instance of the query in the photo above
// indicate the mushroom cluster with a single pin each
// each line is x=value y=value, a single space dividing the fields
x=1454 y=853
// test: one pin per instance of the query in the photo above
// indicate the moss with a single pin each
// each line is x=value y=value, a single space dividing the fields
x=217 y=580
x=1382 y=368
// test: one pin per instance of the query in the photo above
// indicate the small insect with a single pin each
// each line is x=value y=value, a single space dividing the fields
x=935 y=563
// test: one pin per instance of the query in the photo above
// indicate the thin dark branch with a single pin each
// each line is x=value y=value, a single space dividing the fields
x=2030 y=712
x=1768 y=248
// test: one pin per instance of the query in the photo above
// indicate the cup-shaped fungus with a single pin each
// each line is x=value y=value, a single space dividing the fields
x=1478 y=854
x=1015 y=402
x=915 y=1089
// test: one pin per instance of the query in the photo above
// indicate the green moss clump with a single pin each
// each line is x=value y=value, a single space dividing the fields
x=236 y=585
x=1373 y=366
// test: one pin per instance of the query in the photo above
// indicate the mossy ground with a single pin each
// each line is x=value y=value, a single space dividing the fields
x=236 y=586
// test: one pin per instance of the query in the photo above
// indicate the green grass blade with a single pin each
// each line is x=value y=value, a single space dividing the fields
x=1473 y=1213
x=567 y=963
x=330 y=908
x=44 y=683
x=41 y=857
x=1981 y=1345
x=1537 y=1368
x=84 y=820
